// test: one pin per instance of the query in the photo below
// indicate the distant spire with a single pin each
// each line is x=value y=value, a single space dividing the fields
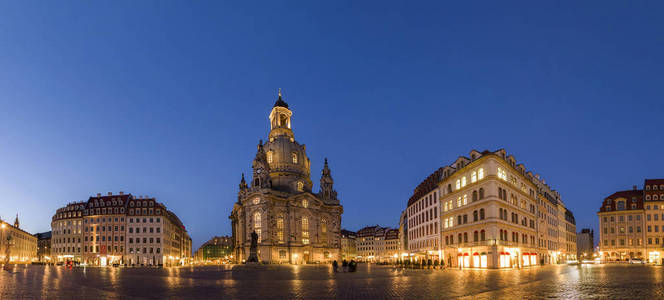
x=16 y=221
x=279 y=93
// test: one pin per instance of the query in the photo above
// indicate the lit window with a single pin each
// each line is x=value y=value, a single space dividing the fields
x=300 y=186
x=502 y=174
x=463 y=181
x=459 y=202
x=305 y=230
x=257 y=225
x=294 y=157
x=465 y=199
x=280 y=229
x=473 y=176
x=480 y=174
x=256 y=200
x=269 y=157
x=458 y=184
x=445 y=209
x=305 y=203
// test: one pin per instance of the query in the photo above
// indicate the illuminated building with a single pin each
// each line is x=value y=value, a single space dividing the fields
x=44 y=246
x=120 y=230
x=66 y=230
x=487 y=211
x=631 y=225
x=293 y=224
x=348 y=245
x=216 y=249
x=22 y=245
x=377 y=244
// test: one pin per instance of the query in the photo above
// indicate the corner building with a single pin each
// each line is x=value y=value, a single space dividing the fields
x=486 y=206
x=293 y=224
x=632 y=224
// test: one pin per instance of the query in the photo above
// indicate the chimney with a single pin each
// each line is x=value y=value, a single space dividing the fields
x=98 y=195
x=537 y=176
x=634 y=187
x=110 y=193
x=121 y=193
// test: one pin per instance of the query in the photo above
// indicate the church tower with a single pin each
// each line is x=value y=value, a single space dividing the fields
x=16 y=223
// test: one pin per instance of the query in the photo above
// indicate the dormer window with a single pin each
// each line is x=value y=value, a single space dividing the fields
x=620 y=205
x=647 y=187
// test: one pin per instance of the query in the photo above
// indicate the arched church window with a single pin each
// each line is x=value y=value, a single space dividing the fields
x=305 y=230
x=257 y=225
x=269 y=157
x=305 y=203
x=294 y=155
x=280 y=228
x=300 y=186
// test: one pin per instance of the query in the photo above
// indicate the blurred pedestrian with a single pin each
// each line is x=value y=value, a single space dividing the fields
x=335 y=265
x=344 y=266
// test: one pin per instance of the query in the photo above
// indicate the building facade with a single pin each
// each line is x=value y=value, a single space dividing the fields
x=585 y=244
x=631 y=225
x=348 y=245
x=44 y=246
x=487 y=211
x=293 y=224
x=217 y=249
x=119 y=230
x=16 y=245
x=378 y=244
x=66 y=230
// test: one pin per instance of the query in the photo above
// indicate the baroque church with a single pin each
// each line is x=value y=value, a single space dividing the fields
x=293 y=224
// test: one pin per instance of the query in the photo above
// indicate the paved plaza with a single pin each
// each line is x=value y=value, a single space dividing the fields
x=319 y=282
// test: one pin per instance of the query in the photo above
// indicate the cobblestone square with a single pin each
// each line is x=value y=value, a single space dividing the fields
x=319 y=282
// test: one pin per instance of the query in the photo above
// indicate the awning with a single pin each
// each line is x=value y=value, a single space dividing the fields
x=465 y=254
x=475 y=254
x=459 y=254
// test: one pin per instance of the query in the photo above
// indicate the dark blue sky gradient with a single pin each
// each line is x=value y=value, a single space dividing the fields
x=169 y=99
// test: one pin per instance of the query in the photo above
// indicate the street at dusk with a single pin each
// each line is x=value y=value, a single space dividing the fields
x=319 y=282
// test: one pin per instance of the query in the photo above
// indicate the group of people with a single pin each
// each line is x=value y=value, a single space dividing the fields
x=345 y=266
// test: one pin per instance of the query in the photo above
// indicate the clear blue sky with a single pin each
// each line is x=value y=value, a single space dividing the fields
x=169 y=99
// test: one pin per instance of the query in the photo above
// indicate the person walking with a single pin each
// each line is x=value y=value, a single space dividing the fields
x=344 y=266
x=335 y=265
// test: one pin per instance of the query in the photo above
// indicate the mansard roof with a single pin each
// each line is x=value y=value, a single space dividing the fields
x=632 y=196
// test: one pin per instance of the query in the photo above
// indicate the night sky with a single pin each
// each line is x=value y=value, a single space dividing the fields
x=169 y=99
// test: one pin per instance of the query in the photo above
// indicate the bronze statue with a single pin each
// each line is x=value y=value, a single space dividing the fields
x=252 y=249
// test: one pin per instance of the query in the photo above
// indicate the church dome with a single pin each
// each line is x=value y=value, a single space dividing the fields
x=288 y=163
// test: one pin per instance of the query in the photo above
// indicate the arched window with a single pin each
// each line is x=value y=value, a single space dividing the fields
x=449 y=187
x=280 y=229
x=465 y=237
x=305 y=203
x=474 y=196
x=294 y=155
x=256 y=182
x=654 y=187
x=305 y=230
x=300 y=186
x=480 y=174
x=463 y=181
x=257 y=225
x=481 y=213
x=655 y=197
x=269 y=156
x=465 y=219
x=473 y=176
x=282 y=254
x=482 y=235
x=323 y=231
x=476 y=236
x=475 y=216
x=481 y=193
x=465 y=199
